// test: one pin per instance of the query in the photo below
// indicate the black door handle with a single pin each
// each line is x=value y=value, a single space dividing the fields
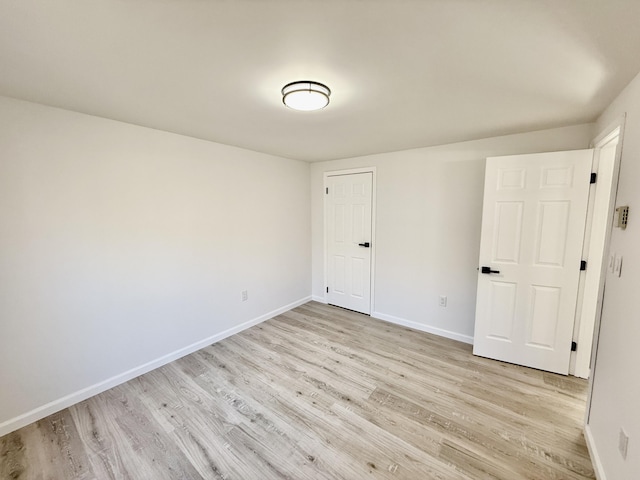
x=488 y=270
x=365 y=244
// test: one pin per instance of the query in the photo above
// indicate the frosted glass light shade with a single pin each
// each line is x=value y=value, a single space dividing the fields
x=305 y=95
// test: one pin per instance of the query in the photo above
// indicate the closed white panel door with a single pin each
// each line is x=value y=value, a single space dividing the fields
x=533 y=222
x=349 y=241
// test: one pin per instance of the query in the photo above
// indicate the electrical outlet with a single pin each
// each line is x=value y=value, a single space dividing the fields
x=623 y=443
x=245 y=295
x=442 y=301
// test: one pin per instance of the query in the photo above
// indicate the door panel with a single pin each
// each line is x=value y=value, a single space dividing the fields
x=551 y=238
x=508 y=228
x=543 y=320
x=502 y=310
x=533 y=223
x=349 y=200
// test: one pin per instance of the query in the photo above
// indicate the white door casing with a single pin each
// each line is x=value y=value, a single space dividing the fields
x=599 y=228
x=533 y=224
x=349 y=238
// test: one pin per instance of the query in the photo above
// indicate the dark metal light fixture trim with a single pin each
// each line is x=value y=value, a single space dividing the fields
x=305 y=95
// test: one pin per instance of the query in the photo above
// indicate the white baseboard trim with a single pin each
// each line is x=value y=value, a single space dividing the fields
x=39 y=413
x=423 y=328
x=593 y=453
x=318 y=298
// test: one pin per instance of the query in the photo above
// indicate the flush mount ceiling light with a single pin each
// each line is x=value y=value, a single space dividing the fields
x=305 y=95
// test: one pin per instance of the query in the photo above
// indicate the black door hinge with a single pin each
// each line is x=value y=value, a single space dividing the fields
x=574 y=346
x=594 y=176
x=327 y=190
x=583 y=265
x=327 y=289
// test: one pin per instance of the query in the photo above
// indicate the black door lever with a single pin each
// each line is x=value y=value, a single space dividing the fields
x=365 y=244
x=488 y=270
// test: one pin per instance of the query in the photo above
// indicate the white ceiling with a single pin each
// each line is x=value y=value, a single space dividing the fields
x=403 y=73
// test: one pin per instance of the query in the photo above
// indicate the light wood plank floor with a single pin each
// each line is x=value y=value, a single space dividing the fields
x=317 y=393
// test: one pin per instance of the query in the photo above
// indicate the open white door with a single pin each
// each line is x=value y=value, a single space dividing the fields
x=533 y=223
x=349 y=199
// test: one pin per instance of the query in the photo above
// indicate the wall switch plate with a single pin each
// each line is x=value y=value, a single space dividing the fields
x=617 y=267
x=245 y=295
x=623 y=443
x=442 y=301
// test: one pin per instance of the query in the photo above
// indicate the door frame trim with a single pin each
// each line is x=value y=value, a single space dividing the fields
x=584 y=326
x=603 y=138
x=336 y=173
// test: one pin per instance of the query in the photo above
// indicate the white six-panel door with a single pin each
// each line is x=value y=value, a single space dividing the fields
x=533 y=223
x=348 y=207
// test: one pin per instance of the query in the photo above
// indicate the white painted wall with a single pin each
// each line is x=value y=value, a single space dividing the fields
x=122 y=245
x=616 y=380
x=429 y=208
